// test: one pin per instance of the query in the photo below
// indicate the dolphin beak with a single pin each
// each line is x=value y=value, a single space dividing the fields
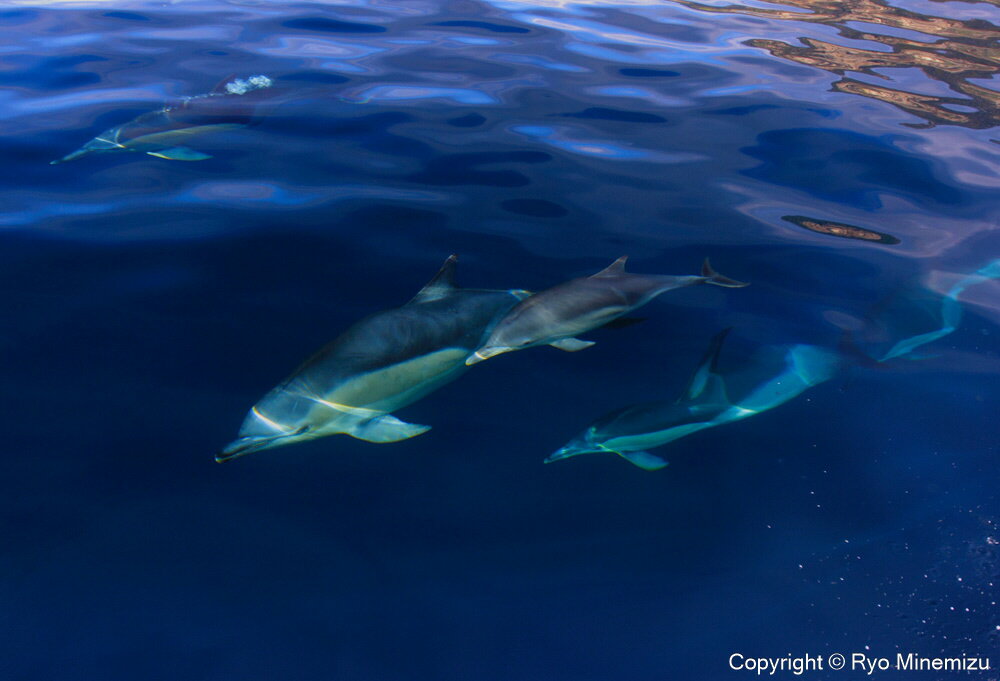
x=564 y=453
x=255 y=443
x=485 y=353
x=70 y=157
x=240 y=447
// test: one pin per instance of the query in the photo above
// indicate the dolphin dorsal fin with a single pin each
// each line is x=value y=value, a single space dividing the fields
x=615 y=268
x=441 y=285
x=707 y=385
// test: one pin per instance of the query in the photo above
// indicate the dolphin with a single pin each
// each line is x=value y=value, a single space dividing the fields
x=165 y=132
x=706 y=403
x=951 y=313
x=380 y=364
x=555 y=316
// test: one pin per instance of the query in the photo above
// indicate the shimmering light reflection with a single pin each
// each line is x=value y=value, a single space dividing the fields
x=556 y=136
x=541 y=62
x=413 y=92
x=242 y=192
x=596 y=32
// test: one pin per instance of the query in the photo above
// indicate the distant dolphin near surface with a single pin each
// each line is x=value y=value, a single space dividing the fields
x=555 y=316
x=380 y=364
x=951 y=312
x=710 y=400
x=165 y=132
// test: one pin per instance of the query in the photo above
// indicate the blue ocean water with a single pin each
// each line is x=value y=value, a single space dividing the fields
x=840 y=156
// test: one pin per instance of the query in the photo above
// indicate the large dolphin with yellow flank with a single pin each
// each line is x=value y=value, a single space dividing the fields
x=557 y=315
x=165 y=133
x=380 y=364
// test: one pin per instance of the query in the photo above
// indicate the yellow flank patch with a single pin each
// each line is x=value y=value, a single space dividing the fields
x=394 y=381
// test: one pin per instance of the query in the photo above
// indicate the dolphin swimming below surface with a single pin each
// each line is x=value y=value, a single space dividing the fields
x=165 y=132
x=708 y=402
x=951 y=312
x=380 y=364
x=555 y=316
x=774 y=376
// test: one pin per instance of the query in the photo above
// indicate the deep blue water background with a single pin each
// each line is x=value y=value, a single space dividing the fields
x=149 y=303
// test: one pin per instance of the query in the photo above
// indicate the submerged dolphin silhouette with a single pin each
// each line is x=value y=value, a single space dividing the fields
x=380 y=364
x=554 y=316
x=163 y=133
x=707 y=402
x=951 y=312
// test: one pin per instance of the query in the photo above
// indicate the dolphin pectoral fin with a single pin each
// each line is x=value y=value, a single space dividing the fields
x=386 y=428
x=179 y=154
x=644 y=460
x=572 y=344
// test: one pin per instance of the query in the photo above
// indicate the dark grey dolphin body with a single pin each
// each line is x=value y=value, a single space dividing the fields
x=380 y=364
x=166 y=132
x=555 y=316
x=773 y=378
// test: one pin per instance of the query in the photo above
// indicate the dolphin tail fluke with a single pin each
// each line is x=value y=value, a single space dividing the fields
x=644 y=460
x=713 y=277
x=386 y=428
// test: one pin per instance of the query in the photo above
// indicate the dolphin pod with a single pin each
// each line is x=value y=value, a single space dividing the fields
x=165 y=132
x=557 y=315
x=393 y=358
x=776 y=375
x=380 y=364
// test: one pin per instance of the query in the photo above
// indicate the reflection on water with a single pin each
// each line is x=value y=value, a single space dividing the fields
x=964 y=50
x=840 y=229
x=149 y=302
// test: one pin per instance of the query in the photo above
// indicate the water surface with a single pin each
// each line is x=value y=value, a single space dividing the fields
x=841 y=156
